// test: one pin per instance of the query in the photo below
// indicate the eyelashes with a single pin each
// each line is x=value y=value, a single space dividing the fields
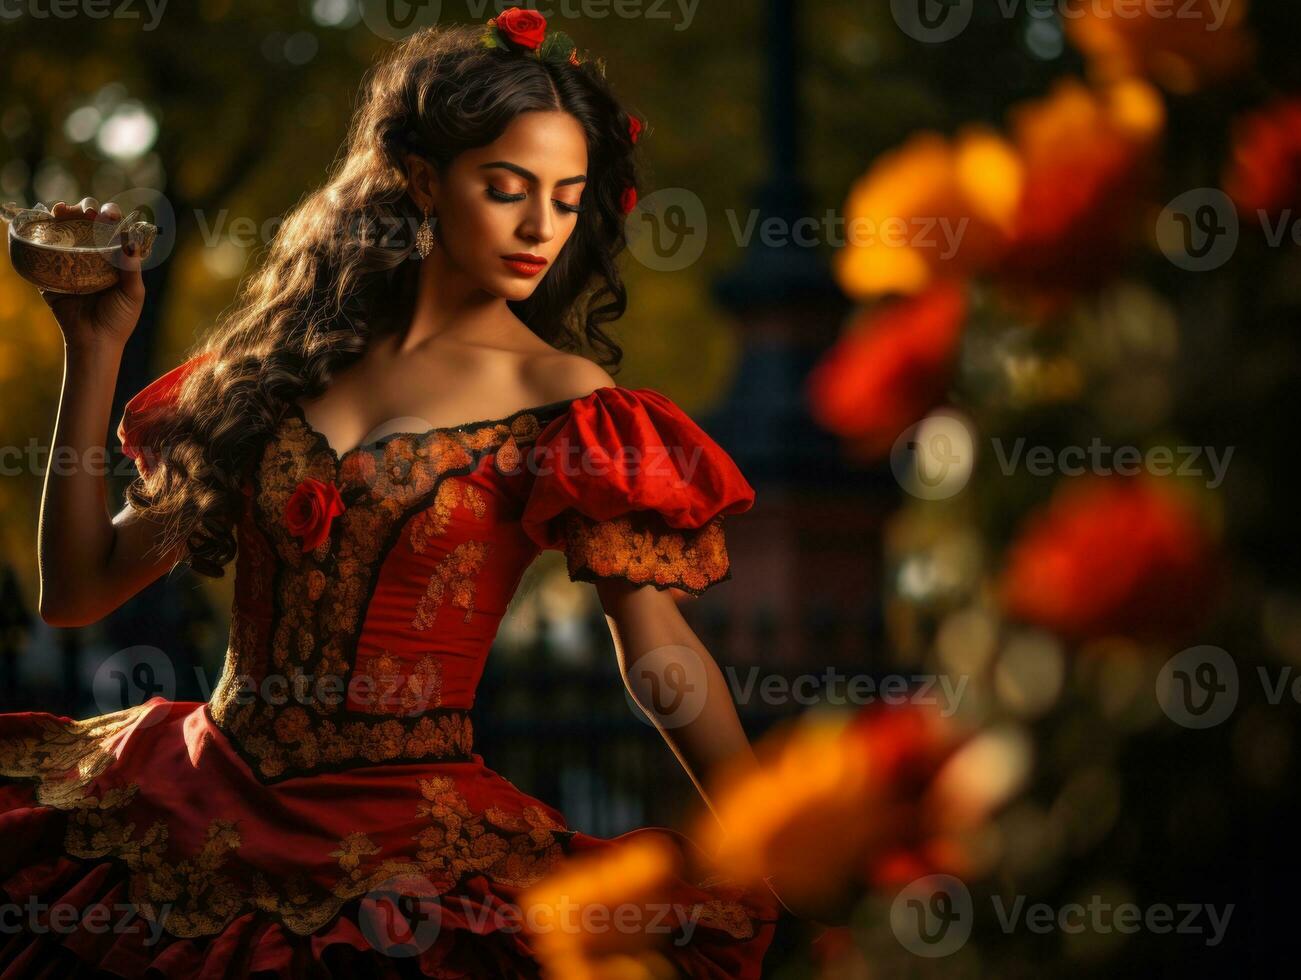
x=497 y=195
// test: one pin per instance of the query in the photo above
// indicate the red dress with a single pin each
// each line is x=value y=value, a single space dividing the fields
x=337 y=752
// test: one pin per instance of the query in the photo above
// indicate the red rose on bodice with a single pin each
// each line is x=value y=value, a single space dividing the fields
x=311 y=510
x=526 y=28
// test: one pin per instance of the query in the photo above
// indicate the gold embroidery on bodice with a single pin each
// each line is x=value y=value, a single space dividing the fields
x=319 y=598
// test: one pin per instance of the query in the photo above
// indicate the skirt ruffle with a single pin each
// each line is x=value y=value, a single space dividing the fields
x=102 y=825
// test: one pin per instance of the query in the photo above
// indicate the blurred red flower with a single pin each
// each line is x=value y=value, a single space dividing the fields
x=890 y=367
x=1265 y=172
x=1085 y=156
x=1111 y=556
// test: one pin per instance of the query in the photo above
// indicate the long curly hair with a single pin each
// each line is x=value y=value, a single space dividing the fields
x=337 y=273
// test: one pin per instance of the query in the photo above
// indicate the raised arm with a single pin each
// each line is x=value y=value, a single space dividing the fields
x=90 y=563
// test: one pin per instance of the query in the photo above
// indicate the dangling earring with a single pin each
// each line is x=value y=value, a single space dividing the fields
x=425 y=237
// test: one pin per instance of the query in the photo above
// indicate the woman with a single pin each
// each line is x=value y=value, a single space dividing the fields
x=461 y=249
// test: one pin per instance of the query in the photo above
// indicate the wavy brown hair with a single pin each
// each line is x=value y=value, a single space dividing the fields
x=337 y=272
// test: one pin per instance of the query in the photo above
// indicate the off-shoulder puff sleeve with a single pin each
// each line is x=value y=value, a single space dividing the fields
x=145 y=408
x=629 y=487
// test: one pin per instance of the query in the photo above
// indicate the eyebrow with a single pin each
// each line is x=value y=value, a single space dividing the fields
x=529 y=175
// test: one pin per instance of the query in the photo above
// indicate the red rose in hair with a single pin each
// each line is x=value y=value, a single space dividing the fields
x=634 y=128
x=310 y=511
x=525 y=28
x=629 y=200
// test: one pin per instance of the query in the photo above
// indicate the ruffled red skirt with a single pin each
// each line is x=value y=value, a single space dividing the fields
x=140 y=844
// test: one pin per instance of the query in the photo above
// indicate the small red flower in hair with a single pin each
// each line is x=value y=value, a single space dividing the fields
x=629 y=199
x=634 y=128
x=310 y=511
x=525 y=28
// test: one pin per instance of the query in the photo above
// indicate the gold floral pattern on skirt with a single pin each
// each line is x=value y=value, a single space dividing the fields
x=198 y=894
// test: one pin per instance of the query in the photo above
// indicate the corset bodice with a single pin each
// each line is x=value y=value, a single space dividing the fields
x=369 y=587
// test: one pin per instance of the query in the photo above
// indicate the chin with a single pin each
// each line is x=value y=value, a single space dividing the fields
x=515 y=290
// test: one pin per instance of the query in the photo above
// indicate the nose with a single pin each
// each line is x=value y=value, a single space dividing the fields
x=539 y=224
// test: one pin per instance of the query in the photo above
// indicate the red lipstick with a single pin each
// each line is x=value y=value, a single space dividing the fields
x=525 y=263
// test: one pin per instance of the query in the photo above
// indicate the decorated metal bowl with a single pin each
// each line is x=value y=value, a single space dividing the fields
x=72 y=254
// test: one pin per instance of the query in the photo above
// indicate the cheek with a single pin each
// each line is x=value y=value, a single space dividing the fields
x=472 y=232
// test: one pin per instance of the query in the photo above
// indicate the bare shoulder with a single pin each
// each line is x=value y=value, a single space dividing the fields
x=559 y=375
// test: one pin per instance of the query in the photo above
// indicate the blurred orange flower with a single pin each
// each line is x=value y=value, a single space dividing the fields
x=841 y=803
x=1111 y=556
x=624 y=883
x=889 y=368
x=1085 y=155
x=929 y=209
x=1182 y=45
x=1265 y=172
x=1048 y=209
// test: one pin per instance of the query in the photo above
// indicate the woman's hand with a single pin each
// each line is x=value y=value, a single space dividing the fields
x=110 y=315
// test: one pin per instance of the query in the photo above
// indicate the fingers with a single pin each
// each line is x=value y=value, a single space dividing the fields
x=130 y=280
x=87 y=207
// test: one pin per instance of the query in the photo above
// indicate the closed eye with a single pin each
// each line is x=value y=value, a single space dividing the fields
x=497 y=195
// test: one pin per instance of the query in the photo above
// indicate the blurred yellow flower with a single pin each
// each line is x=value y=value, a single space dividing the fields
x=931 y=208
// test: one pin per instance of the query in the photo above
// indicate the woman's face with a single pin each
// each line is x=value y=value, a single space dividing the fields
x=505 y=210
